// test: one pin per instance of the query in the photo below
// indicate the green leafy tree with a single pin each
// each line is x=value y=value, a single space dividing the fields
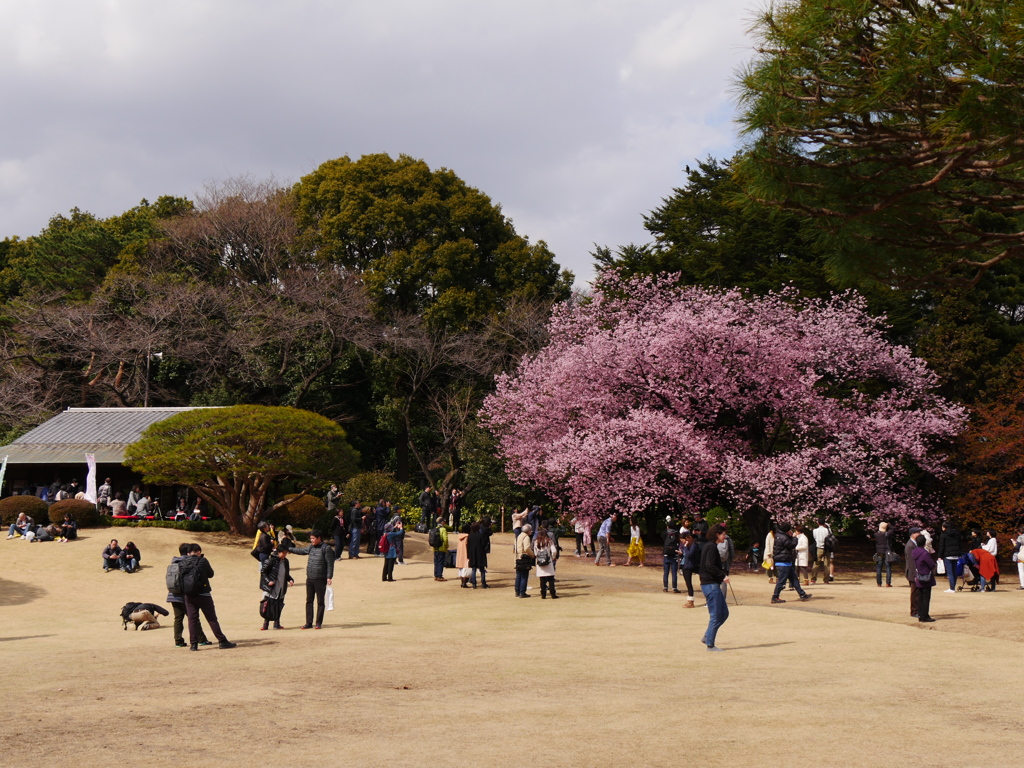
x=897 y=127
x=426 y=242
x=231 y=456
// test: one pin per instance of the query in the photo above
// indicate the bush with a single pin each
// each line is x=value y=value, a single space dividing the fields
x=303 y=513
x=83 y=511
x=13 y=506
x=371 y=487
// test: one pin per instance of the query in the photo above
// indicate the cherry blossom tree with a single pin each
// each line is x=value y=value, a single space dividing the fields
x=777 y=406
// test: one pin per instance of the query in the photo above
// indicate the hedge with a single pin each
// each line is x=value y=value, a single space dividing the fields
x=196 y=526
x=83 y=511
x=13 y=506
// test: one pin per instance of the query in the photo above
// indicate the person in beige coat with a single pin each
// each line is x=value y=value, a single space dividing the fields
x=462 y=555
x=546 y=553
x=524 y=559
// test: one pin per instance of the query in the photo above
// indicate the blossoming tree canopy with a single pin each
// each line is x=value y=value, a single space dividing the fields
x=778 y=406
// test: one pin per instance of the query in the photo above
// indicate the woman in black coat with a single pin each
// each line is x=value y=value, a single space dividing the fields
x=275 y=578
x=477 y=546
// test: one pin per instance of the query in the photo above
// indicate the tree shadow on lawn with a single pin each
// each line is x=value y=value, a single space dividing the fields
x=761 y=645
x=17 y=593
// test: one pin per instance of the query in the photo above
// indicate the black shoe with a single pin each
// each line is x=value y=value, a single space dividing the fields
x=524 y=595
x=805 y=597
x=543 y=597
x=226 y=644
x=928 y=620
x=307 y=626
x=181 y=645
x=206 y=642
x=554 y=596
x=676 y=591
x=777 y=600
x=913 y=615
x=193 y=647
x=277 y=626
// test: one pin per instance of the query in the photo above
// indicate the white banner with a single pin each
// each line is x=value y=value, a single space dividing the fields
x=3 y=471
x=90 y=478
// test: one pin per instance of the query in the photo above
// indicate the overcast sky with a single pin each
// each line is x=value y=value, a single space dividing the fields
x=576 y=116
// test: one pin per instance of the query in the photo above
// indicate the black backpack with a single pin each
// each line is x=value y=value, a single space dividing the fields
x=671 y=543
x=191 y=575
x=831 y=542
x=434 y=538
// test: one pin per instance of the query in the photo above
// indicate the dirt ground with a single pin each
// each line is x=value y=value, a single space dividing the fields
x=418 y=673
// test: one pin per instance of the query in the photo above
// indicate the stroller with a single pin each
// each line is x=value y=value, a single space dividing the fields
x=967 y=572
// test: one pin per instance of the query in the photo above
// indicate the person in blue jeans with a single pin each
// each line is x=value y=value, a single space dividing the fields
x=524 y=549
x=671 y=560
x=784 y=555
x=712 y=576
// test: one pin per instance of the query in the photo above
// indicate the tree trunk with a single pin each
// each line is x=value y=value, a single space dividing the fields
x=402 y=455
x=758 y=522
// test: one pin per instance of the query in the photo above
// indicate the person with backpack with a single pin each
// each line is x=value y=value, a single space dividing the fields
x=196 y=573
x=319 y=574
x=388 y=547
x=670 y=559
x=546 y=556
x=275 y=578
x=177 y=601
x=437 y=539
x=825 y=542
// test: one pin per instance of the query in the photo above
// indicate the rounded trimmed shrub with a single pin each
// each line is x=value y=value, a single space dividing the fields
x=83 y=511
x=13 y=506
x=370 y=487
x=302 y=513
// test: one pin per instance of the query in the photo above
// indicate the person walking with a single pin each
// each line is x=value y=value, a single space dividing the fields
x=769 y=554
x=925 y=567
x=524 y=559
x=911 y=572
x=202 y=600
x=690 y=549
x=275 y=578
x=636 y=544
x=712 y=576
x=319 y=575
x=949 y=550
x=440 y=549
x=883 y=554
x=178 y=608
x=785 y=563
x=604 y=538
x=546 y=557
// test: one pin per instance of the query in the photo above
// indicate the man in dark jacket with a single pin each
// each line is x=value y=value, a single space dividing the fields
x=111 y=555
x=202 y=600
x=712 y=576
x=178 y=606
x=428 y=502
x=355 y=530
x=785 y=563
x=319 y=574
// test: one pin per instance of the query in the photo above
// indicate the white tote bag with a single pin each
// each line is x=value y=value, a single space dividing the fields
x=940 y=566
x=329 y=598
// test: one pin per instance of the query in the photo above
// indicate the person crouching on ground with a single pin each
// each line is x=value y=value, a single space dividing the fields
x=111 y=555
x=275 y=578
x=712 y=576
x=524 y=559
x=319 y=574
x=130 y=558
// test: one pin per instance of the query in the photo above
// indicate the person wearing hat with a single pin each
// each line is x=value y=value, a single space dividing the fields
x=911 y=572
x=524 y=559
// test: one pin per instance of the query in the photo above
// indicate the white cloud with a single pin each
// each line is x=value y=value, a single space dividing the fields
x=576 y=116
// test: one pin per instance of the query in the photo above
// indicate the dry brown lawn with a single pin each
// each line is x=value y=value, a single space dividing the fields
x=418 y=673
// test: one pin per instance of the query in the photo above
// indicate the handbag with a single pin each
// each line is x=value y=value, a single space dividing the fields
x=329 y=598
x=265 y=609
x=892 y=558
x=768 y=564
x=940 y=566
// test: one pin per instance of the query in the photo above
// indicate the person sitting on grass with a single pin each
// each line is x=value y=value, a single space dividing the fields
x=111 y=554
x=21 y=526
x=130 y=558
x=68 y=528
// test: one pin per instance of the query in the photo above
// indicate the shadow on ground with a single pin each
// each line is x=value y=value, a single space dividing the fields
x=18 y=593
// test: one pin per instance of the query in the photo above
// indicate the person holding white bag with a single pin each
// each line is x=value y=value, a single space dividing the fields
x=1018 y=554
x=319 y=574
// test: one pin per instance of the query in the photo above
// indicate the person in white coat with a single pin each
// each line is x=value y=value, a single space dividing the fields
x=546 y=554
x=803 y=555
